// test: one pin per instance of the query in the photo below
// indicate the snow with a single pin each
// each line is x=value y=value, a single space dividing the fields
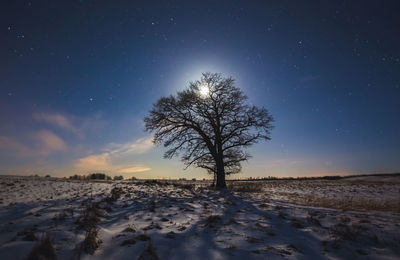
x=177 y=221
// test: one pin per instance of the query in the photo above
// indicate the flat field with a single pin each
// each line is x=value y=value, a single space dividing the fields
x=277 y=219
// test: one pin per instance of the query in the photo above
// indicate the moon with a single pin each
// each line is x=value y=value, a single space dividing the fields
x=204 y=90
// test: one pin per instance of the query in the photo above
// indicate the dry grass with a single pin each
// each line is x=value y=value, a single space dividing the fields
x=313 y=218
x=349 y=203
x=246 y=186
x=212 y=220
x=91 y=242
x=296 y=223
x=116 y=193
x=127 y=242
x=184 y=186
x=28 y=234
x=90 y=217
x=361 y=195
x=342 y=231
x=43 y=250
x=149 y=253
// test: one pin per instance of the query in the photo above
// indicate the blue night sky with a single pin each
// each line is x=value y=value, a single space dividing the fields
x=78 y=77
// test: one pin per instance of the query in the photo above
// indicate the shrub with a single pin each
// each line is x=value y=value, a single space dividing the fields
x=212 y=220
x=341 y=231
x=149 y=253
x=43 y=250
x=91 y=242
x=90 y=216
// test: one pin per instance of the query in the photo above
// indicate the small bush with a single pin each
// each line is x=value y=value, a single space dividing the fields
x=129 y=229
x=342 y=231
x=90 y=216
x=296 y=223
x=91 y=242
x=149 y=253
x=127 y=242
x=152 y=206
x=212 y=220
x=282 y=215
x=143 y=237
x=116 y=193
x=43 y=250
x=312 y=218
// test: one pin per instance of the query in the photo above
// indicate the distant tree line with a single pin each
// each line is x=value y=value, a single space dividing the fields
x=95 y=176
x=268 y=178
x=332 y=177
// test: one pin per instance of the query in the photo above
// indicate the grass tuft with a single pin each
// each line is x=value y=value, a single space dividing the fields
x=43 y=250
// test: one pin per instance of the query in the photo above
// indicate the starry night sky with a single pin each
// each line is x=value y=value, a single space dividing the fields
x=78 y=77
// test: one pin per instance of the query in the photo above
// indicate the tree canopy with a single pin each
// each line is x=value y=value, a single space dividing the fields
x=209 y=124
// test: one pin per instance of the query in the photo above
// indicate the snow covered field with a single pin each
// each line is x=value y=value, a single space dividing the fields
x=319 y=219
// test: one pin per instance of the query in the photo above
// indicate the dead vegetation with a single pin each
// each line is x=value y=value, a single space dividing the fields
x=91 y=216
x=246 y=186
x=342 y=231
x=351 y=203
x=212 y=221
x=312 y=217
x=149 y=253
x=28 y=234
x=359 y=196
x=296 y=223
x=346 y=230
x=91 y=241
x=130 y=241
x=43 y=250
x=257 y=219
x=88 y=222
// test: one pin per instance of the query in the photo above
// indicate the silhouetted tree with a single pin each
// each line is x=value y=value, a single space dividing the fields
x=209 y=123
x=118 y=178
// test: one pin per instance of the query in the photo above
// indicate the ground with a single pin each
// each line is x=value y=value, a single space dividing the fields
x=281 y=219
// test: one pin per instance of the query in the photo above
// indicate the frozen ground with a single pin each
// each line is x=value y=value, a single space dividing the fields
x=341 y=219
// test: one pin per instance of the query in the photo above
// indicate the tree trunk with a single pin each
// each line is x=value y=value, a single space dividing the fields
x=221 y=184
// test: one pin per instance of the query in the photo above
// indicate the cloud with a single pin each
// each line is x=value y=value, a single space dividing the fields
x=105 y=161
x=134 y=169
x=94 y=162
x=58 y=120
x=48 y=142
x=37 y=144
x=13 y=146
x=140 y=146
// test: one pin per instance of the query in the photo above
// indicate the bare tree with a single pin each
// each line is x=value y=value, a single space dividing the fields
x=209 y=124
